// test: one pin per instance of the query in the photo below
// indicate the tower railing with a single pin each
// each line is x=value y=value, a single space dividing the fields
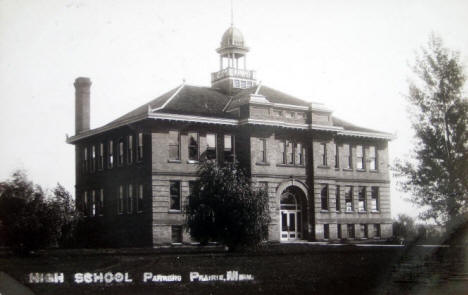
x=233 y=72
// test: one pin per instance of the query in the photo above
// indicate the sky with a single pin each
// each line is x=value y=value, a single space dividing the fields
x=353 y=56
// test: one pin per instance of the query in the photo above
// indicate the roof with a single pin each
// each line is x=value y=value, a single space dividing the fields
x=210 y=103
x=232 y=37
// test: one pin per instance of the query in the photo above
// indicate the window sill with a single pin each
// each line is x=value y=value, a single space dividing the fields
x=349 y=212
x=375 y=212
x=193 y=162
x=174 y=211
x=337 y=169
x=323 y=167
x=374 y=171
x=362 y=212
x=174 y=161
x=324 y=211
x=347 y=169
x=262 y=164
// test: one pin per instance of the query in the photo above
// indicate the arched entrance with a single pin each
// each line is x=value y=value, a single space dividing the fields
x=292 y=206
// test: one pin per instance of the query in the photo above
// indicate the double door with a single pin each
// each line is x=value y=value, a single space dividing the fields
x=291 y=225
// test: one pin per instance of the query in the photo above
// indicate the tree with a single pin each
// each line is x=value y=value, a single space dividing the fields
x=435 y=177
x=28 y=222
x=223 y=207
x=404 y=228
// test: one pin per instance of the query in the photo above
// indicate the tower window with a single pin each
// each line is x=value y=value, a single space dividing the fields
x=337 y=156
x=372 y=158
x=211 y=146
x=130 y=149
x=111 y=154
x=193 y=147
x=174 y=145
x=140 y=147
x=262 y=153
x=290 y=152
x=359 y=157
x=299 y=154
x=323 y=154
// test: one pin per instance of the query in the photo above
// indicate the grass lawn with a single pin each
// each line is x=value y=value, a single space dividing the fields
x=277 y=269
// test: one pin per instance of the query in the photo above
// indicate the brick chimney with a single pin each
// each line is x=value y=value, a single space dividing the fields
x=82 y=96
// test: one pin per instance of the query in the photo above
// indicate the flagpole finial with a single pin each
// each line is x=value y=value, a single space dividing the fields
x=232 y=14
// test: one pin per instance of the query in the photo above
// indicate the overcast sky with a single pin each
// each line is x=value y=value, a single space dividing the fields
x=351 y=55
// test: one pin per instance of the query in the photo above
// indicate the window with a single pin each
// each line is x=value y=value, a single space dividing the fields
x=130 y=199
x=93 y=158
x=85 y=159
x=93 y=203
x=326 y=231
x=349 y=198
x=193 y=147
x=323 y=154
x=347 y=153
x=243 y=84
x=290 y=152
x=140 y=147
x=372 y=158
x=130 y=149
x=174 y=145
x=111 y=154
x=364 y=233
x=121 y=152
x=377 y=230
x=339 y=231
x=262 y=153
x=375 y=198
x=140 y=199
x=101 y=156
x=324 y=197
x=277 y=113
x=176 y=234
x=337 y=198
x=362 y=199
x=228 y=148
x=351 y=231
x=211 y=146
x=299 y=157
x=85 y=204
x=359 y=157
x=101 y=202
x=120 y=202
x=175 y=195
x=236 y=84
x=337 y=156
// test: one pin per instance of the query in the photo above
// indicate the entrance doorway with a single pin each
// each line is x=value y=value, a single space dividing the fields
x=291 y=214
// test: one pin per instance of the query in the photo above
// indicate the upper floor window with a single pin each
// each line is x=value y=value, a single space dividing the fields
x=174 y=145
x=101 y=156
x=236 y=84
x=337 y=156
x=93 y=158
x=375 y=198
x=120 y=201
x=299 y=157
x=372 y=158
x=228 y=148
x=289 y=152
x=85 y=159
x=111 y=155
x=349 y=198
x=348 y=156
x=211 y=146
x=93 y=203
x=175 y=195
x=130 y=149
x=130 y=199
x=262 y=152
x=362 y=199
x=324 y=197
x=140 y=147
x=193 y=146
x=121 y=152
x=359 y=157
x=338 y=198
x=323 y=154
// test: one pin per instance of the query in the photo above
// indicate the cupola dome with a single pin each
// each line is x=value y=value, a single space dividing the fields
x=232 y=38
